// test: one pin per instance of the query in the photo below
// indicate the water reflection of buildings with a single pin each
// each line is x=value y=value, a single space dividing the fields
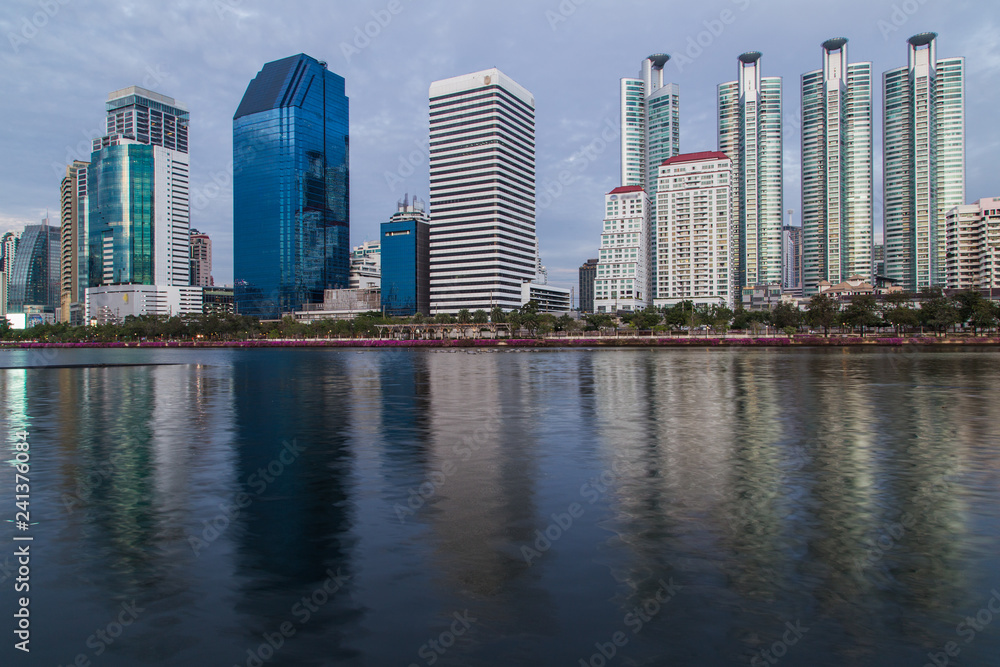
x=293 y=420
x=478 y=425
x=740 y=463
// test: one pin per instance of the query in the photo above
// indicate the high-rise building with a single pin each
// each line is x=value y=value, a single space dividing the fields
x=8 y=251
x=406 y=260
x=290 y=188
x=622 y=281
x=138 y=220
x=791 y=259
x=35 y=272
x=588 y=274
x=750 y=134
x=73 y=243
x=878 y=259
x=923 y=152
x=482 y=174
x=837 y=212
x=201 y=259
x=693 y=229
x=650 y=133
x=972 y=241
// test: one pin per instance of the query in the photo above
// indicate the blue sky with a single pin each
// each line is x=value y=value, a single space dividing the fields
x=60 y=58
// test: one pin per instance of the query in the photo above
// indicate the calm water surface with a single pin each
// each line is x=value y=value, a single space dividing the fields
x=398 y=507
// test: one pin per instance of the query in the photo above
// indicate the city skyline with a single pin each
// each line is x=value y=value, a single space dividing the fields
x=572 y=113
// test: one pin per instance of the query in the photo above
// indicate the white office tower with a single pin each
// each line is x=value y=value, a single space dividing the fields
x=837 y=213
x=622 y=282
x=482 y=173
x=923 y=161
x=650 y=130
x=973 y=245
x=750 y=134
x=693 y=228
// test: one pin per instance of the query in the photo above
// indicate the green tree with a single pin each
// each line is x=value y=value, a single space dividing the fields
x=984 y=316
x=599 y=321
x=823 y=312
x=464 y=316
x=647 y=318
x=480 y=317
x=862 y=313
x=719 y=318
x=967 y=302
x=497 y=314
x=937 y=311
x=515 y=319
x=785 y=315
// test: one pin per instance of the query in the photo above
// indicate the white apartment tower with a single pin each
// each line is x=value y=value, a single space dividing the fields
x=482 y=192
x=923 y=161
x=973 y=245
x=622 y=281
x=694 y=223
x=650 y=130
x=837 y=213
x=750 y=134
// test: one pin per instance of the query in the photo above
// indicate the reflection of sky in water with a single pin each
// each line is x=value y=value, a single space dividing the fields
x=223 y=493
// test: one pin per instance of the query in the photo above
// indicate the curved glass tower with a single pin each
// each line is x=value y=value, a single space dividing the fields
x=35 y=270
x=290 y=188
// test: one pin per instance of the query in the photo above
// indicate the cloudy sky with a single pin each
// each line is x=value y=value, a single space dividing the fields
x=60 y=58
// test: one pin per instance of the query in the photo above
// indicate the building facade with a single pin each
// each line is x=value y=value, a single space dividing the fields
x=750 y=133
x=8 y=251
x=290 y=188
x=693 y=227
x=923 y=149
x=201 y=259
x=482 y=175
x=74 y=277
x=650 y=132
x=622 y=281
x=366 y=266
x=837 y=186
x=406 y=262
x=35 y=274
x=588 y=274
x=548 y=298
x=791 y=259
x=138 y=211
x=972 y=241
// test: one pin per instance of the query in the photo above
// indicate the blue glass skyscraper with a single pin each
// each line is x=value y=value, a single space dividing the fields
x=290 y=188
x=406 y=261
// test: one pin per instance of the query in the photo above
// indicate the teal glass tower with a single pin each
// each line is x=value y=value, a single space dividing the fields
x=837 y=191
x=290 y=188
x=923 y=161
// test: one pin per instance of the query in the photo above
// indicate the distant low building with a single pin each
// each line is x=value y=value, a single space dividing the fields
x=549 y=299
x=366 y=266
x=761 y=297
x=341 y=304
x=110 y=304
x=218 y=300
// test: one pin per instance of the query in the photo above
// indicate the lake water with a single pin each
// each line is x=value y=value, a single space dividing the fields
x=559 y=507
